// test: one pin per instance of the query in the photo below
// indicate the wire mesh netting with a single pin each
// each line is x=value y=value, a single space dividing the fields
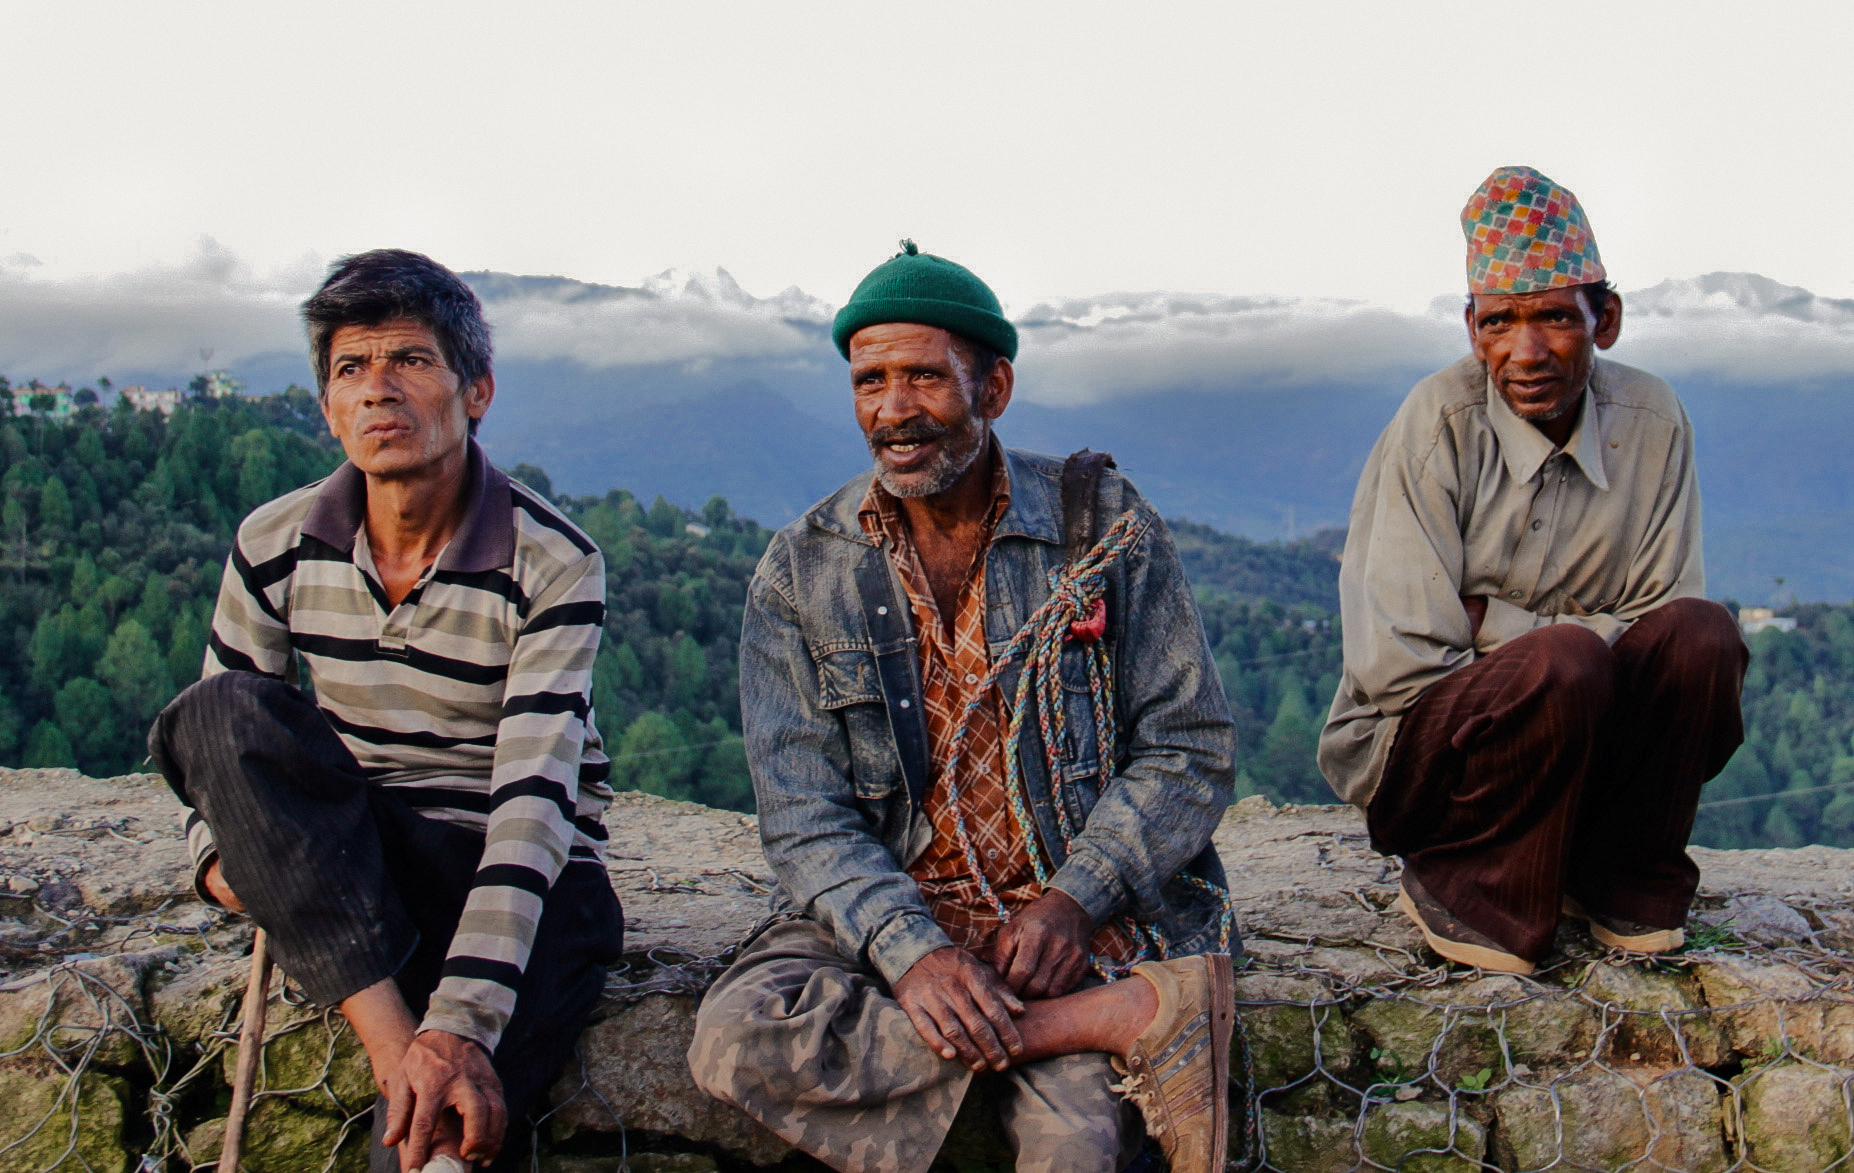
x=1728 y=1056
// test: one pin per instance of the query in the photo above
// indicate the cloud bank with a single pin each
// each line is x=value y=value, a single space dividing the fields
x=156 y=322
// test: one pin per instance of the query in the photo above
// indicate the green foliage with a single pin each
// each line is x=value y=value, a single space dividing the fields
x=113 y=527
x=1799 y=741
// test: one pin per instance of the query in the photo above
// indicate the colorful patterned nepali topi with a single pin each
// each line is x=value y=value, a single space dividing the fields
x=1526 y=234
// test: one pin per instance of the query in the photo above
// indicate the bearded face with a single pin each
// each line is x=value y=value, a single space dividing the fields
x=925 y=416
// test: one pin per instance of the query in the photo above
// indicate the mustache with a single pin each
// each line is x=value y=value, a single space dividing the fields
x=912 y=432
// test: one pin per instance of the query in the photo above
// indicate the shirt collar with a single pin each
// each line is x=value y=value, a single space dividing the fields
x=485 y=538
x=1524 y=448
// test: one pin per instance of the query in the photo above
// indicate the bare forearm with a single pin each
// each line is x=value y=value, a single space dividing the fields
x=384 y=1024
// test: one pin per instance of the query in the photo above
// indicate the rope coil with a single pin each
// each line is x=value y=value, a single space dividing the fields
x=1076 y=598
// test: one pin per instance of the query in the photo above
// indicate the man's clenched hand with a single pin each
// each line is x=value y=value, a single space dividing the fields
x=962 y=1008
x=1043 y=951
x=443 y=1082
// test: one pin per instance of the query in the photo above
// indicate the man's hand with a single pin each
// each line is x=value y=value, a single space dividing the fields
x=443 y=1082
x=1043 y=951
x=962 y=1008
x=220 y=890
x=1476 y=606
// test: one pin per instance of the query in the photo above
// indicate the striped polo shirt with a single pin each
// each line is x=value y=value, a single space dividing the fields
x=471 y=699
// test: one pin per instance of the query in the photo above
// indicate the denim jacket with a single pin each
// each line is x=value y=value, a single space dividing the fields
x=830 y=703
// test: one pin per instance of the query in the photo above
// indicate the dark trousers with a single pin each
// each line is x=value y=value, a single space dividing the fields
x=1559 y=764
x=352 y=885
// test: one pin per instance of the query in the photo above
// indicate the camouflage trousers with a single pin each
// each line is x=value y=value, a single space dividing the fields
x=814 y=1047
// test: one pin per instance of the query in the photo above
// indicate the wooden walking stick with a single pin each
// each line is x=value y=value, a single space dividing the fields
x=250 y=1050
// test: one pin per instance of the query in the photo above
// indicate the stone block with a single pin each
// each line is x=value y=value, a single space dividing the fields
x=1281 y=1017
x=1460 y=1028
x=1414 y=1138
x=1603 y=1119
x=1794 y=1118
x=305 y=1049
x=636 y=1061
x=1762 y=1004
x=1652 y=1014
x=37 y=1130
x=75 y=1003
x=281 y=1137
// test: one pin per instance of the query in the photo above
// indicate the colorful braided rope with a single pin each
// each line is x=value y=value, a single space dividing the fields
x=1072 y=596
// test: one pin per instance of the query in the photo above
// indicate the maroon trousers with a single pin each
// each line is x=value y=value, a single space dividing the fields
x=1561 y=765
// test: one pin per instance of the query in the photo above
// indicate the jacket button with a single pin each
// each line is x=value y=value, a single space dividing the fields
x=1510 y=595
x=1536 y=524
x=905 y=702
x=881 y=610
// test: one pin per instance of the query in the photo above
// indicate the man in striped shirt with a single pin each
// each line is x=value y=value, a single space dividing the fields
x=422 y=840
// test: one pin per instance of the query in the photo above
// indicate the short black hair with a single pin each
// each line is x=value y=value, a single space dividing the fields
x=387 y=283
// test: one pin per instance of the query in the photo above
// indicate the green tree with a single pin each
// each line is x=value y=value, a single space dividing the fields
x=652 y=757
x=186 y=649
x=89 y=721
x=134 y=669
x=1287 y=758
x=48 y=748
x=55 y=505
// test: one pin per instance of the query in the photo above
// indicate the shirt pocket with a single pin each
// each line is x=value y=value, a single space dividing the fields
x=850 y=686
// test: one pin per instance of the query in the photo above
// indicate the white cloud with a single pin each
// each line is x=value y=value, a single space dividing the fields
x=155 y=319
x=1733 y=326
x=1087 y=350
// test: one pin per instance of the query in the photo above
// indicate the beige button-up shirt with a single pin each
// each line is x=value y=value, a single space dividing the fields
x=1462 y=497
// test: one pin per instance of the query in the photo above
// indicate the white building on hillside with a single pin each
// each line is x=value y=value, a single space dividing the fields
x=142 y=399
x=1755 y=619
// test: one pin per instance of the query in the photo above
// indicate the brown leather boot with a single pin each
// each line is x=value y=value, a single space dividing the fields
x=1178 y=1071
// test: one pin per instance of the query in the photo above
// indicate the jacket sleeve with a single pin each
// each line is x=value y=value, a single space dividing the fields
x=826 y=854
x=1176 y=772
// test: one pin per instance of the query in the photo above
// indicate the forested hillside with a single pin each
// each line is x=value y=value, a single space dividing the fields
x=114 y=525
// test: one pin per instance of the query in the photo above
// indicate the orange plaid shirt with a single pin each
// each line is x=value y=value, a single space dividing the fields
x=954 y=662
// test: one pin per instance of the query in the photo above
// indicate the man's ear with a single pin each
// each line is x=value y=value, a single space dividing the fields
x=479 y=395
x=1474 y=337
x=995 y=396
x=321 y=401
x=1609 y=326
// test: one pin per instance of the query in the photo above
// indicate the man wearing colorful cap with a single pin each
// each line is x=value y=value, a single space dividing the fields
x=963 y=864
x=1535 y=687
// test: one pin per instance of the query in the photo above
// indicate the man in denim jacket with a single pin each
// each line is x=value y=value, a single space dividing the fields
x=941 y=920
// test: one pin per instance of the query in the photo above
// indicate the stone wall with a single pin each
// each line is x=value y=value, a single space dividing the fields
x=1358 y=1049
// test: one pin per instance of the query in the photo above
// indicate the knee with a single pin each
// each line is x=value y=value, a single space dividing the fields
x=227 y=692
x=1574 y=663
x=1702 y=631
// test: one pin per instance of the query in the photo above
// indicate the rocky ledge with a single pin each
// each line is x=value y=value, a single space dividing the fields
x=1358 y=1048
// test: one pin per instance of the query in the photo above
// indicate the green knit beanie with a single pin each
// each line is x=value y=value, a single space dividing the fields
x=913 y=286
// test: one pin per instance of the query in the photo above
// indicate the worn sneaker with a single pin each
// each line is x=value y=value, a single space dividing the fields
x=1449 y=937
x=1617 y=933
x=1178 y=1071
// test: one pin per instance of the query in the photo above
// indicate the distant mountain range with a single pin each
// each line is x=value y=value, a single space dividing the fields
x=1250 y=414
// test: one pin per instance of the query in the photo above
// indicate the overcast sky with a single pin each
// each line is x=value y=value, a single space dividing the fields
x=1062 y=149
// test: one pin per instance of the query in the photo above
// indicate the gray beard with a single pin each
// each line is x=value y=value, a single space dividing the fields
x=954 y=459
